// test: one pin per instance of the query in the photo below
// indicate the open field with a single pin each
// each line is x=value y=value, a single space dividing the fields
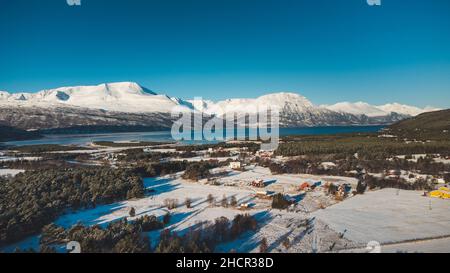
x=389 y=216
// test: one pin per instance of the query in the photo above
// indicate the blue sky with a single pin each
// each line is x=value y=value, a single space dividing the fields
x=326 y=50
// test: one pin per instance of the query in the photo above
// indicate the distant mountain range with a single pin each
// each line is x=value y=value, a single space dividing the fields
x=129 y=104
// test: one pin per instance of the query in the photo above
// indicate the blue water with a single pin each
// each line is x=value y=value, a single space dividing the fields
x=331 y=130
x=165 y=136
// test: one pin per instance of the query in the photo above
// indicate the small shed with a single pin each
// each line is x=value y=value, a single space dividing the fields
x=236 y=165
x=304 y=186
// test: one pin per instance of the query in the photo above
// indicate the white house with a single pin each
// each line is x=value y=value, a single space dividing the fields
x=236 y=165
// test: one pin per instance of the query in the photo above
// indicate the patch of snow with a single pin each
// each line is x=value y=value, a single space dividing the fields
x=7 y=172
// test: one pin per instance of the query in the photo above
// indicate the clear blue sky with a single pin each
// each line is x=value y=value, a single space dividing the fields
x=326 y=50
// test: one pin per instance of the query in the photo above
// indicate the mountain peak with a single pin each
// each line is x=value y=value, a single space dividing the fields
x=133 y=98
x=284 y=98
x=130 y=87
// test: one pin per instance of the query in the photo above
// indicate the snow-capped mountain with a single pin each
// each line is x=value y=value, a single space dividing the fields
x=118 y=97
x=362 y=108
x=296 y=110
x=128 y=103
x=405 y=109
x=283 y=101
x=358 y=108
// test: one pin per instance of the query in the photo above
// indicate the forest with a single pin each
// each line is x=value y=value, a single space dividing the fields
x=31 y=200
x=125 y=236
x=367 y=146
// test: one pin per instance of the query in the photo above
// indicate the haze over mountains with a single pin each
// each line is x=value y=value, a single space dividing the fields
x=128 y=103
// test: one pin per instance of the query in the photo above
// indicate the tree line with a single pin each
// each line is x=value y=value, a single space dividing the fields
x=31 y=200
x=125 y=236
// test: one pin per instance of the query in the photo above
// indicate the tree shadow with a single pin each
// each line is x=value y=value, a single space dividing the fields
x=270 y=182
x=248 y=241
x=89 y=217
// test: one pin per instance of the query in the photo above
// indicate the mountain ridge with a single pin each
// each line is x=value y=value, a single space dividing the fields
x=128 y=103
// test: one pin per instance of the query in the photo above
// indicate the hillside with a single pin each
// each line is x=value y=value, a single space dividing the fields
x=432 y=125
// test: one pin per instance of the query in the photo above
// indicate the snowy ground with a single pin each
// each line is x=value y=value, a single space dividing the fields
x=12 y=159
x=274 y=225
x=389 y=216
x=5 y=172
x=440 y=245
x=286 y=183
x=202 y=158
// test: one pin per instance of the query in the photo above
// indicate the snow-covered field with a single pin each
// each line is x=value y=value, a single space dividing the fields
x=389 y=216
x=5 y=172
x=440 y=245
x=202 y=158
x=12 y=159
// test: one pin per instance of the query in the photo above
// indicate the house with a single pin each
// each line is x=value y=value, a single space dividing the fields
x=264 y=154
x=305 y=186
x=443 y=193
x=258 y=183
x=263 y=195
x=245 y=206
x=440 y=181
x=236 y=165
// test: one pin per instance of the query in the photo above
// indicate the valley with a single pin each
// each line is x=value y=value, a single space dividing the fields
x=315 y=193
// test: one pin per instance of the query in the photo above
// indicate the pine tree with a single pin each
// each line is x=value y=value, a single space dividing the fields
x=210 y=199
x=132 y=212
x=263 y=247
x=166 y=218
x=188 y=203
x=233 y=201
x=224 y=202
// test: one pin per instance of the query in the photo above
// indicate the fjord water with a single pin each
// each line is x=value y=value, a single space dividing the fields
x=165 y=136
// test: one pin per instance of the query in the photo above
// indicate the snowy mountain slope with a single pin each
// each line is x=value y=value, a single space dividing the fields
x=129 y=103
x=358 y=108
x=120 y=97
x=283 y=101
x=405 y=109
x=362 y=108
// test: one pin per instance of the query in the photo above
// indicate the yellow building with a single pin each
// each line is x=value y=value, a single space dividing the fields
x=443 y=193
